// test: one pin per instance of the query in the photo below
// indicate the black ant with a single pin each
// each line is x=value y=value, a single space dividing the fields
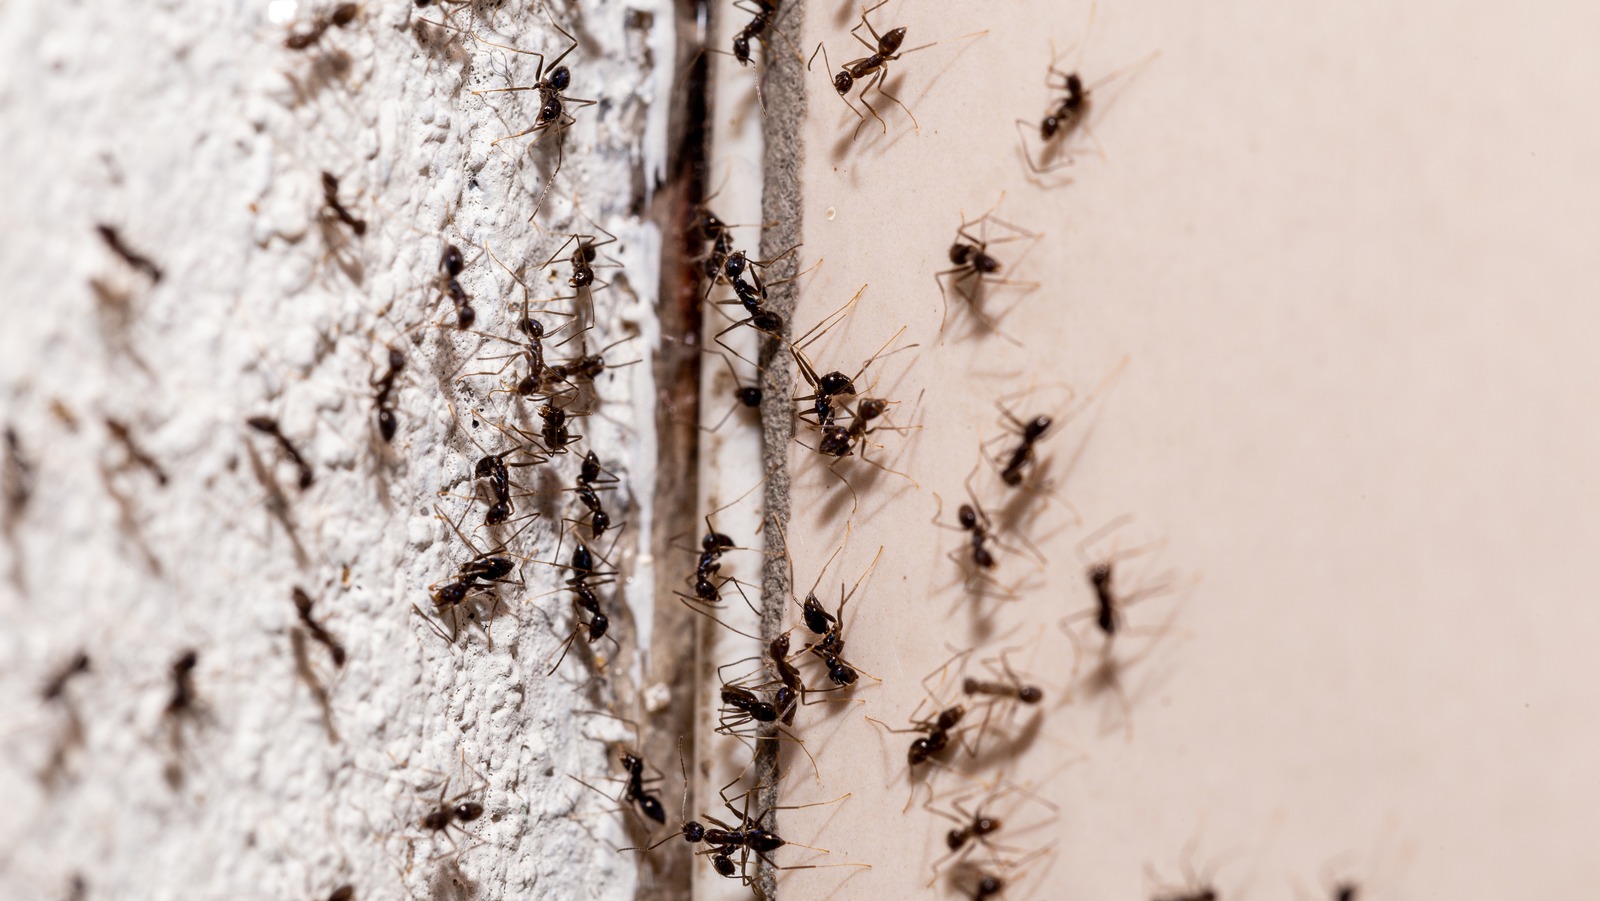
x=452 y=812
x=834 y=385
x=342 y=15
x=590 y=475
x=978 y=826
x=480 y=573
x=303 y=604
x=451 y=263
x=551 y=83
x=269 y=426
x=840 y=441
x=585 y=600
x=137 y=260
x=974 y=267
x=343 y=893
x=764 y=13
x=583 y=258
x=635 y=785
x=705 y=582
x=330 y=198
x=830 y=647
x=1010 y=688
x=751 y=294
x=744 y=396
x=137 y=454
x=184 y=701
x=1109 y=604
x=57 y=685
x=494 y=471
x=874 y=66
x=383 y=395
x=554 y=429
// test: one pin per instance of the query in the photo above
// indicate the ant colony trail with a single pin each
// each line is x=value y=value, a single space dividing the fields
x=720 y=449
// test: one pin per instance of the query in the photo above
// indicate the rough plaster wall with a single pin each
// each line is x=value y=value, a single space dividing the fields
x=191 y=128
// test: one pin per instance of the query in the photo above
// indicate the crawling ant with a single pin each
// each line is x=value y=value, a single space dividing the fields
x=982 y=536
x=554 y=429
x=302 y=605
x=551 y=83
x=1109 y=603
x=345 y=892
x=585 y=600
x=139 y=261
x=763 y=15
x=973 y=267
x=1022 y=456
x=583 y=258
x=269 y=426
x=591 y=474
x=452 y=812
x=705 y=582
x=184 y=699
x=494 y=471
x=636 y=789
x=124 y=436
x=1010 y=688
x=57 y=685
x=330 y=198
x=750 y=294
x=383 y=395
x=744 y=396
x=874 y=66
x=480 y=573
x=1065 y=115
x=342 y=15
x=830 y=647
x=451 y=263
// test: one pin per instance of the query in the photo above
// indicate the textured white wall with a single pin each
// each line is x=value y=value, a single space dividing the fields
x=200 y=137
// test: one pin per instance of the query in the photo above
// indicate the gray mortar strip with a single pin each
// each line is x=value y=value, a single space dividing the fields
x=782 y=155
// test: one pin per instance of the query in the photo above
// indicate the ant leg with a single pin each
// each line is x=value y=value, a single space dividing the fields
x=883 y=75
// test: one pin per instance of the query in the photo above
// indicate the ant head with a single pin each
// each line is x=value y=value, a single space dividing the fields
x=891 y=41
x=600 y=521
x=749 y=396
x=693 y=832
x=871 y=407
x=843 y=83
x=1030 y=694
x=451 y=594
x=1036 y=428
x=984 y=263
x=1345 y=891
x=983 y=825
x=921 y=749
x=581 y=278
x=591 y=467
x=779 y=647
x=741 y=49
x=560 y=79
x=709 y=226
x=841 y=673
x=451 y=260
x=716 y=541
x=955 y=838
x=735 y=265
x=968 y=517
x=1100 y=577
x=468 y=812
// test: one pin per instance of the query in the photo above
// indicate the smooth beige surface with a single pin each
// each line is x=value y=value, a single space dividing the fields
x=1347 y=251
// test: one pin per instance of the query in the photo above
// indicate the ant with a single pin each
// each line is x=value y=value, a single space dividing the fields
x=763 y=15
x=138 y=261
x=184 y=700
x=973 y=520
x=974 y=267
x=1067 y=114
x=269 y=426
x=841 y=441
x=584 y=599
x=751 y=294
x=1011 y=688
x=589 y=475
x=494 y=470
x=383 y=395
x=830 y=647
x=342 y=15
x=583 y=257
x=1108 y=611
x=706 y=583
x=302 y=604
x=977 y=826
x=124 y=436
x=554 y=430
x=875 y=66
x=551 y=84
x=745 y=396
x=452 y=812
x=487 y=567
x=451 y=263
x=330 y=198
x=635 y=785
x=57 y=685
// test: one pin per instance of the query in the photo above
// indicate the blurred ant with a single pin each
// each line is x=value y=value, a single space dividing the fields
x=1110 y=604
x=330 y=199
x=57 y=684
x=269 y=426
x=184 y=701
x=764 y=14
x=1067 y=114
x=302 y=605
x=978 y=825
x=991 y=880
x=342 y=15
x=383 y=395
x=137 y=260
x=974 y=268
x=747 y=397
x=452 y=812
x=137 y=454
